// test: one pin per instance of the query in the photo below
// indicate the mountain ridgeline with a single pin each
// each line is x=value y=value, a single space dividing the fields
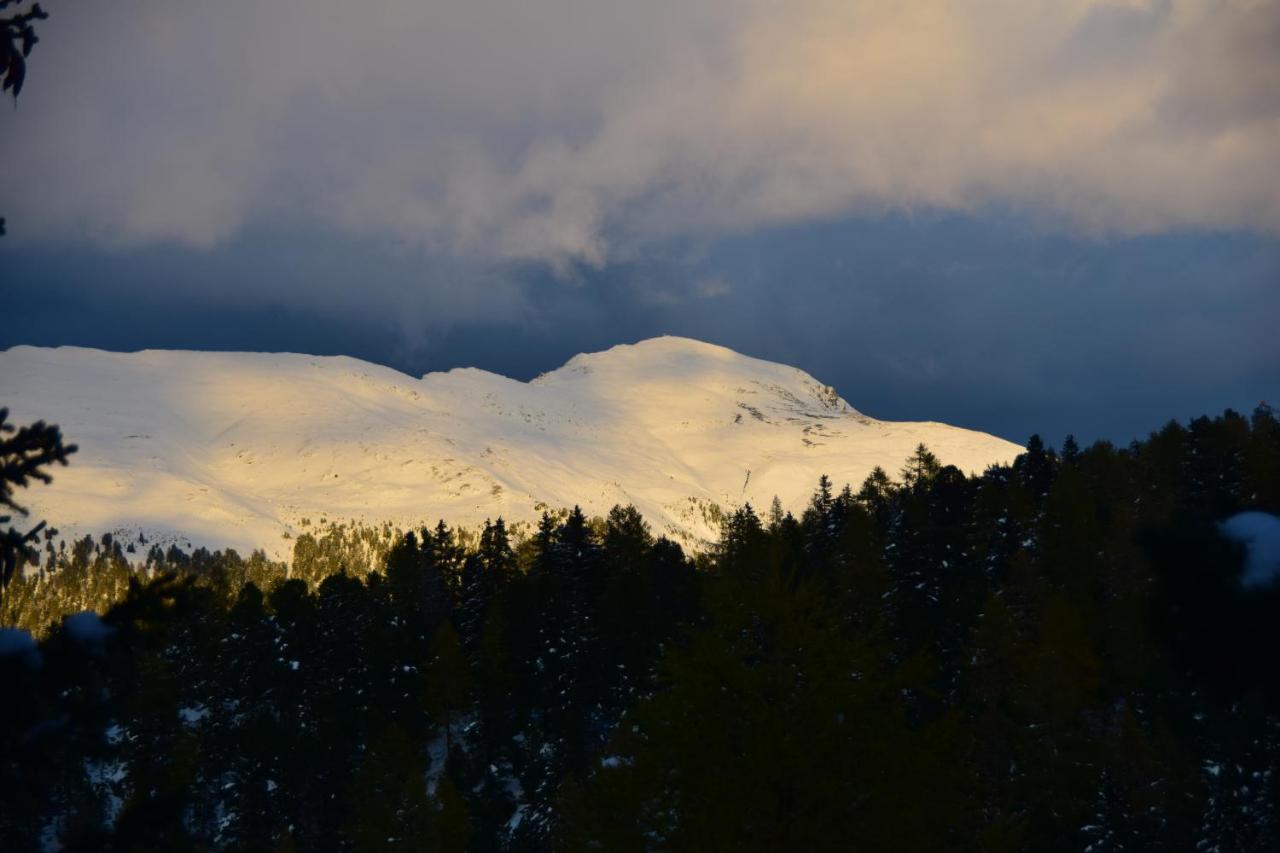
x=1054 y=654
x=239 y=449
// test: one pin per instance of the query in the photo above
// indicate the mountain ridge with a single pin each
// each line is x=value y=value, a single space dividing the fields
x=236 y=449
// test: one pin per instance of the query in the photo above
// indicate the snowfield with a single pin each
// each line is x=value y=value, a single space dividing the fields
x=236 y=449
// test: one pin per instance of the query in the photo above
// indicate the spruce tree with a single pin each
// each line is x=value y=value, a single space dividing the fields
x=389 y=806
x=921 y=467
x=447 y=680
x=26 y=454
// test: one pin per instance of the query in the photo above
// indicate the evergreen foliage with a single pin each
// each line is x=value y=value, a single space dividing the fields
x=17 y=38
x=25 y=455
x=1054 y=655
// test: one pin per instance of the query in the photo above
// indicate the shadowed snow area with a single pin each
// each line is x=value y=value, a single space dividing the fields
x=16 y=643
x=1259 y=532
x=235 y=449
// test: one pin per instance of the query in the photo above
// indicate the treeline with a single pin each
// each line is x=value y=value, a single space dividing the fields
x=1057 y=654
x=94 y=573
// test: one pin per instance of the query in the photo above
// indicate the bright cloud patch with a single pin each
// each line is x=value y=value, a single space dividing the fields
x=572 y=132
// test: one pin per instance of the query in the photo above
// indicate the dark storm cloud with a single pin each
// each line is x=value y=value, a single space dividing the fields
x=980 y=321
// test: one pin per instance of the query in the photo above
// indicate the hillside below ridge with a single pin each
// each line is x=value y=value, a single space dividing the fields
x=238 y=449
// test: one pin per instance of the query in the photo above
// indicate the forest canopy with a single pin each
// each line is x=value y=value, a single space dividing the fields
x=1057 y=654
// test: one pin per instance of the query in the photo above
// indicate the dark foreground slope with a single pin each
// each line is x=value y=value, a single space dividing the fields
x=1055 y=655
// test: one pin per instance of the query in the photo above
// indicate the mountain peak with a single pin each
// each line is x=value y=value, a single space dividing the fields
x=650 y=354
x=235 y=449
x=665 y=344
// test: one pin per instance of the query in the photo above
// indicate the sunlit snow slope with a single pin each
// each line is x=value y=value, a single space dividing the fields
x=235 y=449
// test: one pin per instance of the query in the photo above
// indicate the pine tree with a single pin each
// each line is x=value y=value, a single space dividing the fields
x=484 y=575
x=389 y=806
x=627 y=540
x=449 y=556
x=418 y=587
x=922 y=466
x=876 y=494
x=821 y=502
x=740 y=536
x=495 y=552
x=1037 y=468
x=26 y=454
x=447 y=679
x=775 y=515
x=1070 y=450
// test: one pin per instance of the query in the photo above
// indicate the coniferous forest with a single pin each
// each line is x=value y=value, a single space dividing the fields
x=1054 y=655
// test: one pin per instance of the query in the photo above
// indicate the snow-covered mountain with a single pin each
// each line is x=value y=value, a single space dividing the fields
x=236 y=449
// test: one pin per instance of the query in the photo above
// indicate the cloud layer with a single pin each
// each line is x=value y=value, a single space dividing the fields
x=576 y=132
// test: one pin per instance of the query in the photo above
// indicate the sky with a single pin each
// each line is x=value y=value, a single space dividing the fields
x=1013 y=215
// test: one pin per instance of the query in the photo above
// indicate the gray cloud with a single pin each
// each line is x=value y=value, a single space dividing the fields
x=578 y=133
x=986 y=322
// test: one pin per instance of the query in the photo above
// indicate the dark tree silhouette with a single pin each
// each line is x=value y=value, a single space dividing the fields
x=16 y=44
x=25 y=455
x=1056 y=654
x=17 y=38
